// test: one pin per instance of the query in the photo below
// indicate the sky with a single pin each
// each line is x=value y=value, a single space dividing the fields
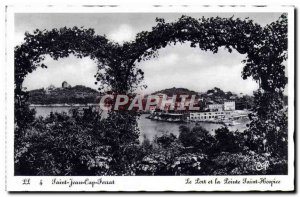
x=176 y=66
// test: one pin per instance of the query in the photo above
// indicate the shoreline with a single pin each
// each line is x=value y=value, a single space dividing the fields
x=63 y=105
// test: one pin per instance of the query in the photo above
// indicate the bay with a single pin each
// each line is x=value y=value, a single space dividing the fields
x=149 y=128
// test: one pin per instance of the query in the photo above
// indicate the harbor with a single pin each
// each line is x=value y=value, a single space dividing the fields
x=224 y=113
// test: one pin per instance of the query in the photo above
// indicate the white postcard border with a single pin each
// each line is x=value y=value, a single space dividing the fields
x=143 y=183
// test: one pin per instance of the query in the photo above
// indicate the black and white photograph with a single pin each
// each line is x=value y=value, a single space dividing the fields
x=152 y=94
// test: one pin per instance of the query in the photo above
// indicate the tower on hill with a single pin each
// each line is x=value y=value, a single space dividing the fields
x=65 y=85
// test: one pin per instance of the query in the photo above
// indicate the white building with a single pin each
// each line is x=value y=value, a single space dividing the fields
x=208 y=116
x=215 y=107
x=229 y=106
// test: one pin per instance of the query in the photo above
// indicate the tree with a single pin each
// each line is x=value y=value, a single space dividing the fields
x=265 y=47
x=196 y=138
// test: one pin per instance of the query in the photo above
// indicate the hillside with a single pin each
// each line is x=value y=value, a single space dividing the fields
x=214 y=95
x=176 y=91
x=72 y=95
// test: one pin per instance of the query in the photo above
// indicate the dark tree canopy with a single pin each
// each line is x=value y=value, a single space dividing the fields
x=265 y=47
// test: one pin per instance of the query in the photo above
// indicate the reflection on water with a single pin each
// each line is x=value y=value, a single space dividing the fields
x=151 y=128
x=147 y=127
x=44 y=111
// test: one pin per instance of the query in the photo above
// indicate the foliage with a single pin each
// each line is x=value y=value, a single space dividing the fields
x=250 y=164
x=80 y=144
x=73 y=95
x=117 y=63
x=227 y=141
x=85 y=144
x=196 y=138
x=177 y=91
x=189 y=164
x=238 y=163
x=166 y=140
x=244 y=102
x=268 y=130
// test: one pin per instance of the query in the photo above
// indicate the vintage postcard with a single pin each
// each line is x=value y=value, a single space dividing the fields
x=150 y=98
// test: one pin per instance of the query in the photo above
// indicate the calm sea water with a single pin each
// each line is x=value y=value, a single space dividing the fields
x=151 y=128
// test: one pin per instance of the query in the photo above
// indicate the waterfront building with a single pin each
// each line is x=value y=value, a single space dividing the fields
x=209 y=116
x=229 y=106
x=215 y=107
